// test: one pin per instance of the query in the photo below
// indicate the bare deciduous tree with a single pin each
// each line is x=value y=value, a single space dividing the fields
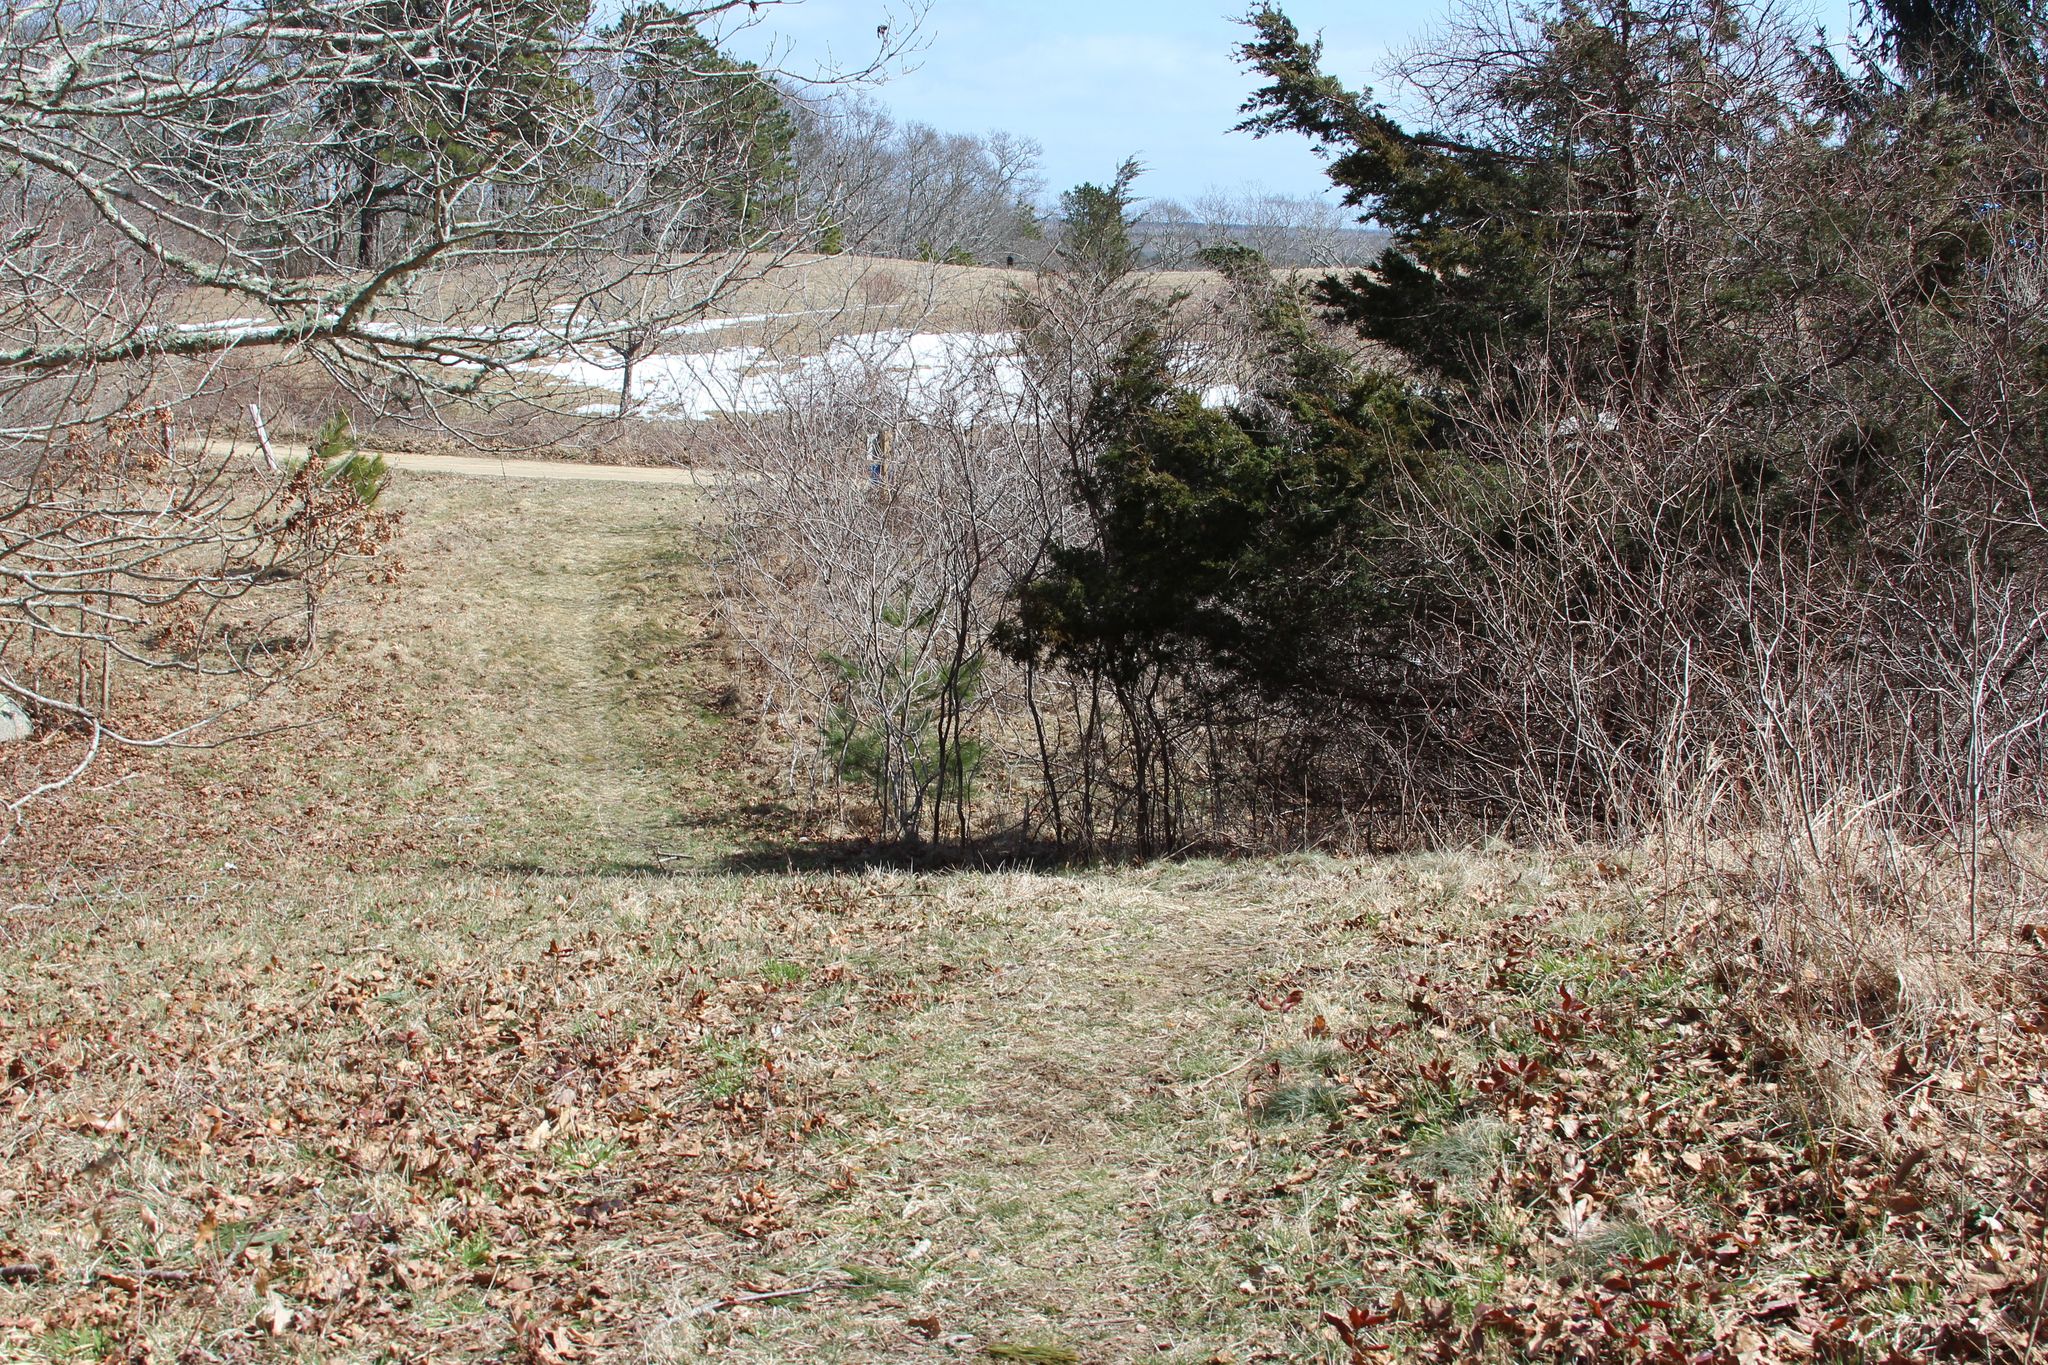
x=1287 y=230
x=417 y=198
x=876 y=519
x=414 y=196
x=122 y=553
x=911 y=191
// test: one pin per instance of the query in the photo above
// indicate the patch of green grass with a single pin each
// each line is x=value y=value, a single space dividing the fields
x=1466 y=1288
x=784 y=973
x=1496 y=1224
x=583 y=1154
x=235 y=1238
x=1008 y=1208
x=1321 y=1058
x=1575 y=967
x=1464 y=1152
x=1038 y=1354
x=1911 y=1298
x=1433 y=1103
x=76 y=1343
x=1299 y=1103
x=1617 y=1241
x=732 y=1068
x=1199 y=1065
x=865 y=1280
x=451 y=1311
x=475 y=1251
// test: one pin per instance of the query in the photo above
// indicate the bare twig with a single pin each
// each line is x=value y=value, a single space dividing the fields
x=735 y=1300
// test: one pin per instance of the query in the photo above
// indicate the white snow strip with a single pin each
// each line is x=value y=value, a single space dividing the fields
x=703 y=325
x=928 y=373
x=237 y=326
x=959 y=376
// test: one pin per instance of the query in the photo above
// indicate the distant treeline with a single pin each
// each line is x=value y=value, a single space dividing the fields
x=884 y=187
x=1286 y=231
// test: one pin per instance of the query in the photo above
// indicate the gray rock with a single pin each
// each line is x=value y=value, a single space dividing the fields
x=14 y=721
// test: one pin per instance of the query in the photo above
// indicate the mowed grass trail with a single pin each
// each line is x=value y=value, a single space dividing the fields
x=431 y=1031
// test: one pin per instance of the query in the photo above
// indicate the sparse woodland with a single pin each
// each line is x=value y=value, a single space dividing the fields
x=410 y=201
x=1682 y=481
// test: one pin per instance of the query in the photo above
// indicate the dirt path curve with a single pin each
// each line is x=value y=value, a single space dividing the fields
x=486 y=467
x=492 y=467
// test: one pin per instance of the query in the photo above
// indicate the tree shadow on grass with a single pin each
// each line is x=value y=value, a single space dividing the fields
x=765 y=837
x=794 y=856
x=804 y=858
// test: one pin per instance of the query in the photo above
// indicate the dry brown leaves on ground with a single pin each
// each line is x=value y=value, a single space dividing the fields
x=392 y=1154
x=1581 y=1152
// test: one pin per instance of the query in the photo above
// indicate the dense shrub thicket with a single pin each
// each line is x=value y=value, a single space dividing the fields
x=1732 y=361
x=1682 y=465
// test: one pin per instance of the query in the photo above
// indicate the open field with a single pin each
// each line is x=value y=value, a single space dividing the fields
x=859 y=291
x=491 y=466
x=770 y=324
x=495 y=1014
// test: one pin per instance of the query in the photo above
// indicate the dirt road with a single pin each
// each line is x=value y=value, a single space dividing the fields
x=485 y=467
x=491 y=467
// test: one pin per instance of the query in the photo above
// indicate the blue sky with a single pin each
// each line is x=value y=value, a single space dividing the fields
x=1094 y=81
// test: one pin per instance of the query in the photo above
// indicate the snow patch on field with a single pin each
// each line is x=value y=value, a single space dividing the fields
x=928 y=373
x=703 y=325
x=236 y=326
x=958 y=376
x=673 y=386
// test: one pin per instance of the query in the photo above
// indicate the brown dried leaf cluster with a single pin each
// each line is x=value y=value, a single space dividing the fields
x=380 y=1152
x=1579 y=1150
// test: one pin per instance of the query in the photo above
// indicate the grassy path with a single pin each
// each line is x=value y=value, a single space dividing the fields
x=1050 y=1131
x=526 y=685
x=433 y=1033
x=1022 y=1085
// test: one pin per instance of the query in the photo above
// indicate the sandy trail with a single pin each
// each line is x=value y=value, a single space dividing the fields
x=486 y=467
x=493 y=467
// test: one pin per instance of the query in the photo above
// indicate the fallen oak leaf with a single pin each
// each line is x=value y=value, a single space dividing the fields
x=1350 y=1323
x=597 y=1210
x=112 y=1125
x=545 y=1345
x=276 y=1317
